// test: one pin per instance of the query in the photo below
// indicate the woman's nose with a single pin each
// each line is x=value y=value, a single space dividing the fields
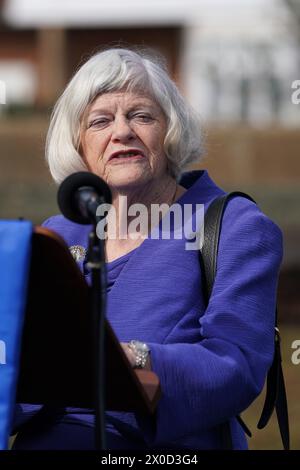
x=122 y=130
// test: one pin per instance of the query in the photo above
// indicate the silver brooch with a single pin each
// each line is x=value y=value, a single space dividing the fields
x=78 y=252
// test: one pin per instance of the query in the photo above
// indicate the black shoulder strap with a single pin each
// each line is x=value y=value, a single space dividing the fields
x=212 y=228
x=276 y=394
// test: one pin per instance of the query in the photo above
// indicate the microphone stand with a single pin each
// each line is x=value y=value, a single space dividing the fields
x=96 y=263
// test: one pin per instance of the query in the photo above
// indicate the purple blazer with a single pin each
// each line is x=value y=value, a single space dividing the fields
x=212 y=362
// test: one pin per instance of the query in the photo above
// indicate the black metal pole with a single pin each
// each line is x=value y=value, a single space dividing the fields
x=96 y=263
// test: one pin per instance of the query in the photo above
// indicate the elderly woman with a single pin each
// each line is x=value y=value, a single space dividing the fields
x=122 y=118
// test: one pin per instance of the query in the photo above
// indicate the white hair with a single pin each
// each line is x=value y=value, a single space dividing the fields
x=113 y=70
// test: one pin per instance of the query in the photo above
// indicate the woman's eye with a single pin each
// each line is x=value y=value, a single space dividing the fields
x=143 y=117
x=101 y=122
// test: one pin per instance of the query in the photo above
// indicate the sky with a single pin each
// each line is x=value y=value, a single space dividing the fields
x=133 y=12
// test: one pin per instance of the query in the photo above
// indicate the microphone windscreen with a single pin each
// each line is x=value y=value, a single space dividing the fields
x=66 y=194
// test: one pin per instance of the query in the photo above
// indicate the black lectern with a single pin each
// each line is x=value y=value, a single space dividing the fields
x=56 y=364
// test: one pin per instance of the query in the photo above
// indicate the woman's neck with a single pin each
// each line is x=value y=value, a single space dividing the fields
x=124 y=232
x=157 y=191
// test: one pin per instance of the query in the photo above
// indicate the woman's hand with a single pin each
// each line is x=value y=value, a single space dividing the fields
x=131 y=357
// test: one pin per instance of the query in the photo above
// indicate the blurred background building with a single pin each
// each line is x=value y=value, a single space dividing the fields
x=235 y=61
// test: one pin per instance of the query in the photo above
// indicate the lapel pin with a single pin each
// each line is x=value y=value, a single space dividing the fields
x=78 y=252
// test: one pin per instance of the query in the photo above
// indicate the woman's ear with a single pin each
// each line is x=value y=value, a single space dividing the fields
x=79 y=150
x=168 y=165
x=81 y=154
x=79 y=147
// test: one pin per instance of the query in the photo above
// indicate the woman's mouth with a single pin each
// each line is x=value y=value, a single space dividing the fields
x=126 y=156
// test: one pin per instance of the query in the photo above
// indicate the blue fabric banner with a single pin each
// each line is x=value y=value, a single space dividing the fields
x=15 y=250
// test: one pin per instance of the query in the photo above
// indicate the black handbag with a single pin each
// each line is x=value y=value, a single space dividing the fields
x=275 y=394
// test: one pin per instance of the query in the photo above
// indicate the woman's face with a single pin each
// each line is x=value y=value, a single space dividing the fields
x=122 y=137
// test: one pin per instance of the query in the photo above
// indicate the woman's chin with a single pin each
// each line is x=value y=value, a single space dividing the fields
x=124 y=180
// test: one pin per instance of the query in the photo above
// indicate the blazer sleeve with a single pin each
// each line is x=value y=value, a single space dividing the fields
x=206 y=383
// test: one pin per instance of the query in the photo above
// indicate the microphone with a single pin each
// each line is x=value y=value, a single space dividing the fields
x=80 y=194
x=78 y=197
